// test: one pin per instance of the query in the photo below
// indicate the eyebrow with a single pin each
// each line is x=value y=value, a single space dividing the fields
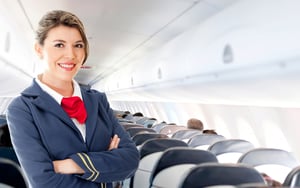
x=59 y=40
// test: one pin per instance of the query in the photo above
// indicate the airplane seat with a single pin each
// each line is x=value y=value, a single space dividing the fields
x=150 y=151
x=293 y=178
x=185 y=135
x=149 y=122
x=140 y=138
x=171 y=129
x=157 y=127
x=244 y=185
x=213 y=174
x=8 y=153
x=159 y=144
x=276 y=163
x=4 y=134
x=254 y=185
x=11 y=174
x=170 y=176
x=130 y=125
x=230 y=150
x=203 y=141
x=124 y=120
x=141 y=120
x=221 y=186
x=174 y=162
x=132 y=131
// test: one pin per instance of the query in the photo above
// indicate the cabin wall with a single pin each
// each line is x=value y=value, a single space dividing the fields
x=238 y=72
x=263 y=126
x=234 y=45
x=15 y=60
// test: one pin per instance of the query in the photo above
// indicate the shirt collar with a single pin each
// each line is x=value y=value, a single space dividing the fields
x=58 y=97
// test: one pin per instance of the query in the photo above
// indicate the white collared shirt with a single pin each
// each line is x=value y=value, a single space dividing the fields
x=58 y=97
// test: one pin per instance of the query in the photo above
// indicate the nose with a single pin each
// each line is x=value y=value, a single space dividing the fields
x=70 y=53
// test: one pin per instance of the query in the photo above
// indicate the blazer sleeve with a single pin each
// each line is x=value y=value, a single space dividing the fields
x=114 y=165
x=32 y=155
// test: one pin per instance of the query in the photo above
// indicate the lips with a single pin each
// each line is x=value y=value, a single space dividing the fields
x=67 y=66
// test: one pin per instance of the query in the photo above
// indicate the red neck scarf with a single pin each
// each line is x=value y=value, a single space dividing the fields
x=74 y=107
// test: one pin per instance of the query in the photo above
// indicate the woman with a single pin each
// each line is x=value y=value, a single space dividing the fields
x=60 y=150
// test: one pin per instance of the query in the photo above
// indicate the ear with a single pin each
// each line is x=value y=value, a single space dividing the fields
x=39 y=50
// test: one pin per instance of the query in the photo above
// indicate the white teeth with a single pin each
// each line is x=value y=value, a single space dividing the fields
x=67 y=65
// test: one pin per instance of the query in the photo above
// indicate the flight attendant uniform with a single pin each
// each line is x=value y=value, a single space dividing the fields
x=42 y=132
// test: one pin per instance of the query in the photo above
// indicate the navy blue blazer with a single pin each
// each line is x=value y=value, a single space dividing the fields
x=42 y=132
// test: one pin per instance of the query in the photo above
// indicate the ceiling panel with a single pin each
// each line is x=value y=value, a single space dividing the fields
x=119 y=31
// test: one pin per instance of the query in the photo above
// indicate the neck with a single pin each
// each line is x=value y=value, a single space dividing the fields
x=65 y=88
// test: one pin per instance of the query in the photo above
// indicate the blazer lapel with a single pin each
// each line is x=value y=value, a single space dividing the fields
x=92 y=113
x=45 y=102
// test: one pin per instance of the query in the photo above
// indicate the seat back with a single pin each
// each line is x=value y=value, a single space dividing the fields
x=150 y=151
x=141 y=120
x=183 y=158
x=185 y=135
x=171 y=177
x=11 y=174
x=5 y=140
x=132 y=131
x=220 y=174
x=276 y=163
x=9 y=153
x=149 y=123
x=230 y=150
x=123 y=120
x=142 y=175
x=140 y=138
x=221 y=186
x=130 y=125
x=171 y=129
x=203 y=141
x=293 y=178
x=157 y=127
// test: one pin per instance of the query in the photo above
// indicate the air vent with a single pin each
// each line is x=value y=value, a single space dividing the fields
x=7 y=42
x=227 y=54
x=159 y=74
x=131 y=81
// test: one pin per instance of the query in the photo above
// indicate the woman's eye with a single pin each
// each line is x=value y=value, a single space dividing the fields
x=79 y=45
x=59 y=45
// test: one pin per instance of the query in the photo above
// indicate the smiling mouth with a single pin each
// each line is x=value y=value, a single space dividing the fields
x=68 y=66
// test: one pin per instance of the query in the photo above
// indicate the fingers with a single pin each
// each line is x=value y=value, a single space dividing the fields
x=67 y=166
x=114 y=143
x=117 y=141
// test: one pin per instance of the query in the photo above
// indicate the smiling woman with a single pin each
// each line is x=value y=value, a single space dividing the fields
x=86 y=131
x=217 y=61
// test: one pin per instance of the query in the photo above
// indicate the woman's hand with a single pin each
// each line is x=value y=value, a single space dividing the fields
x=67 y=166
x=114 y=143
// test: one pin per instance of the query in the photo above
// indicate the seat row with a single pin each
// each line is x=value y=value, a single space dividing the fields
x=234 y=155
x=171 y=161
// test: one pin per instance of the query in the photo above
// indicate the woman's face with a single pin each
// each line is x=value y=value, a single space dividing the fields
x=63 y=53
